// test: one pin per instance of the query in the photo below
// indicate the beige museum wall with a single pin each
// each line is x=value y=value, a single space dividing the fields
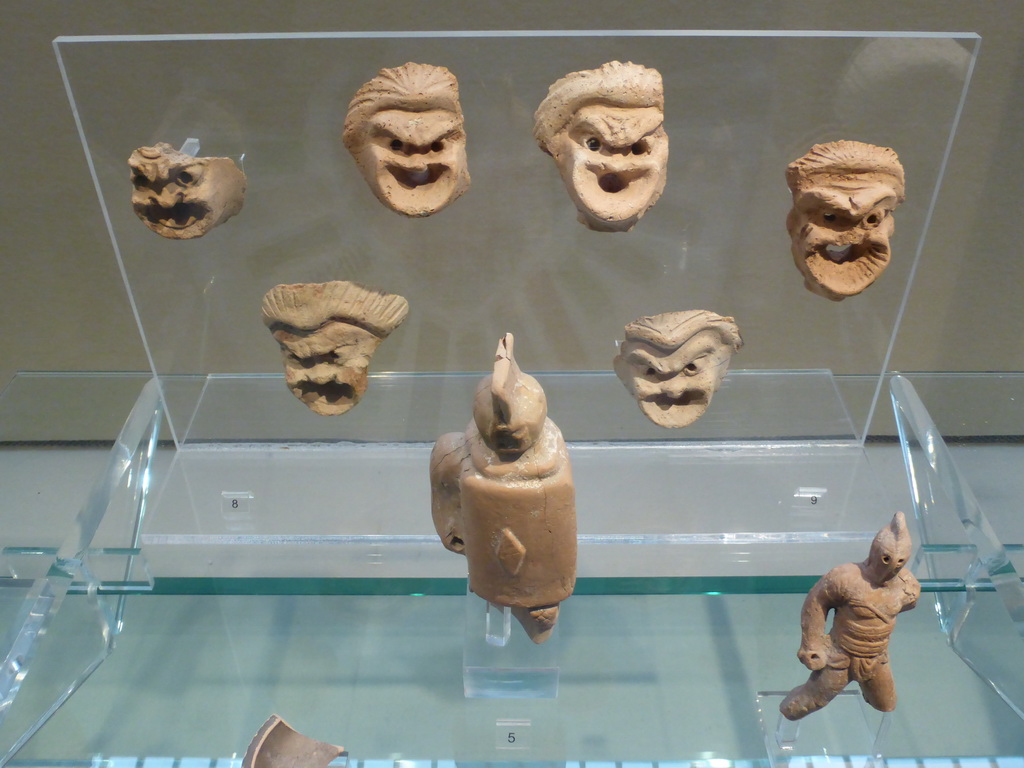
x=65 y=307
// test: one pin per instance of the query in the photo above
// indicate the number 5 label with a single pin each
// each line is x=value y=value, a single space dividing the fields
x=512 y=734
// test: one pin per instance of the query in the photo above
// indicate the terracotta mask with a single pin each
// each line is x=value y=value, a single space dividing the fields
x=673 y=363
x=179 y=196
x=844 y=194
x=328 y=332
x=604 y=129
x=502 y=495
x=404 y=128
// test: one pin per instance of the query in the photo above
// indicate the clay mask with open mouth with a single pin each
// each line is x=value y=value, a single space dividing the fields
x=328 y=333
x=604 y=129
x=844 y=194
x=405 y=130
x=673 y=363
x=179 y=196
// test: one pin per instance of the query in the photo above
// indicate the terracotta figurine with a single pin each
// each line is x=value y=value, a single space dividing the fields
x=844 y=194
x=277 y=745
x=866 y=598
x=502 y=495
x=673 y=363
x=604 y=129
x=328 y=332
x=179 y=196
x=404 y=128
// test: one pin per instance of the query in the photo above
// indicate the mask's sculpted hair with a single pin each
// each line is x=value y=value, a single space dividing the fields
x=846 y=158
x=671 y=330
x=307 y=306
x=613 y=84
x=411 y=87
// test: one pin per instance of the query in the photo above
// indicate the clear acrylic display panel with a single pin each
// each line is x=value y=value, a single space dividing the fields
x=509 y=255
x=984 y=621
x=774 y=465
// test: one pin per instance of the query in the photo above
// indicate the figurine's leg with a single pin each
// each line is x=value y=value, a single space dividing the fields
x=538 y=622
x=880 y=690
x=821 y=687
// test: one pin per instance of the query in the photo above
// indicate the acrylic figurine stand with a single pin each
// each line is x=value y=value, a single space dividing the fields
x=500 y=661
x=848 y=727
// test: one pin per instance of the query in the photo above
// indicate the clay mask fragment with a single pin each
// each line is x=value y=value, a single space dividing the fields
x=278 y=745
x=866 y=598
x=179 y=196
x=604 y=129
x=328 y=332
x=673 y=363
x=405 y=130
x=844 y=194
x=502 y=495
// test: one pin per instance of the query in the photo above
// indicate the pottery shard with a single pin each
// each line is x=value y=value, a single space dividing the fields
x=277 y=745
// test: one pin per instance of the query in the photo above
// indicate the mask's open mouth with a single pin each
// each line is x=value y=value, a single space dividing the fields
x=690 y=397
x=181 y=215
x=328 y=392
x=420 y=177
x=614 y=182
x=847 y=269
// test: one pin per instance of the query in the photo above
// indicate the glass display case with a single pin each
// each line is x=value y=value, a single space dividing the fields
x=244 y=555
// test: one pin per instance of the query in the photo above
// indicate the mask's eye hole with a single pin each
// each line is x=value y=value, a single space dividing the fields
x=651 y=372
x=690 y=369
x=593 y=144
x=828 y=216
x=873 y=219
x=396 y=144
x=185 y=178
x=437 y=146
x=639 y=148
x=886 y=559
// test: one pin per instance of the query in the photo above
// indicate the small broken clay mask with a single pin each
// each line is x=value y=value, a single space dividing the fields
x=405 y=130
x=328 y=332
x=844 y=194
x=509 y=407
x=674 y=362
x=890 y=551
x=604 y=129
x=179 y=196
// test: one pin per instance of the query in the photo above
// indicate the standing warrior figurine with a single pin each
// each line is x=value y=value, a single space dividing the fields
x=866 y=597
x=502 y=495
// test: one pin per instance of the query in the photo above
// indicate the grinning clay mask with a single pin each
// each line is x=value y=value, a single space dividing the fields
x=674 y=362
x=328 y=332
x=844 y=194
x=404 y=129
x=603 y=127
x=179 y=196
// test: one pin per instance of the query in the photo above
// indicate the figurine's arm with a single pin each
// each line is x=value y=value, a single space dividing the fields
x=911 y=590
x=814 y=644
x=446 y=466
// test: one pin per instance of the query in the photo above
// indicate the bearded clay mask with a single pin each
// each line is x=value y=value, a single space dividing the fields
x=179 y=196
x=603 y=127
x=674 y=362
x=844 y=194
x=404 y=129
x=328 y=332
